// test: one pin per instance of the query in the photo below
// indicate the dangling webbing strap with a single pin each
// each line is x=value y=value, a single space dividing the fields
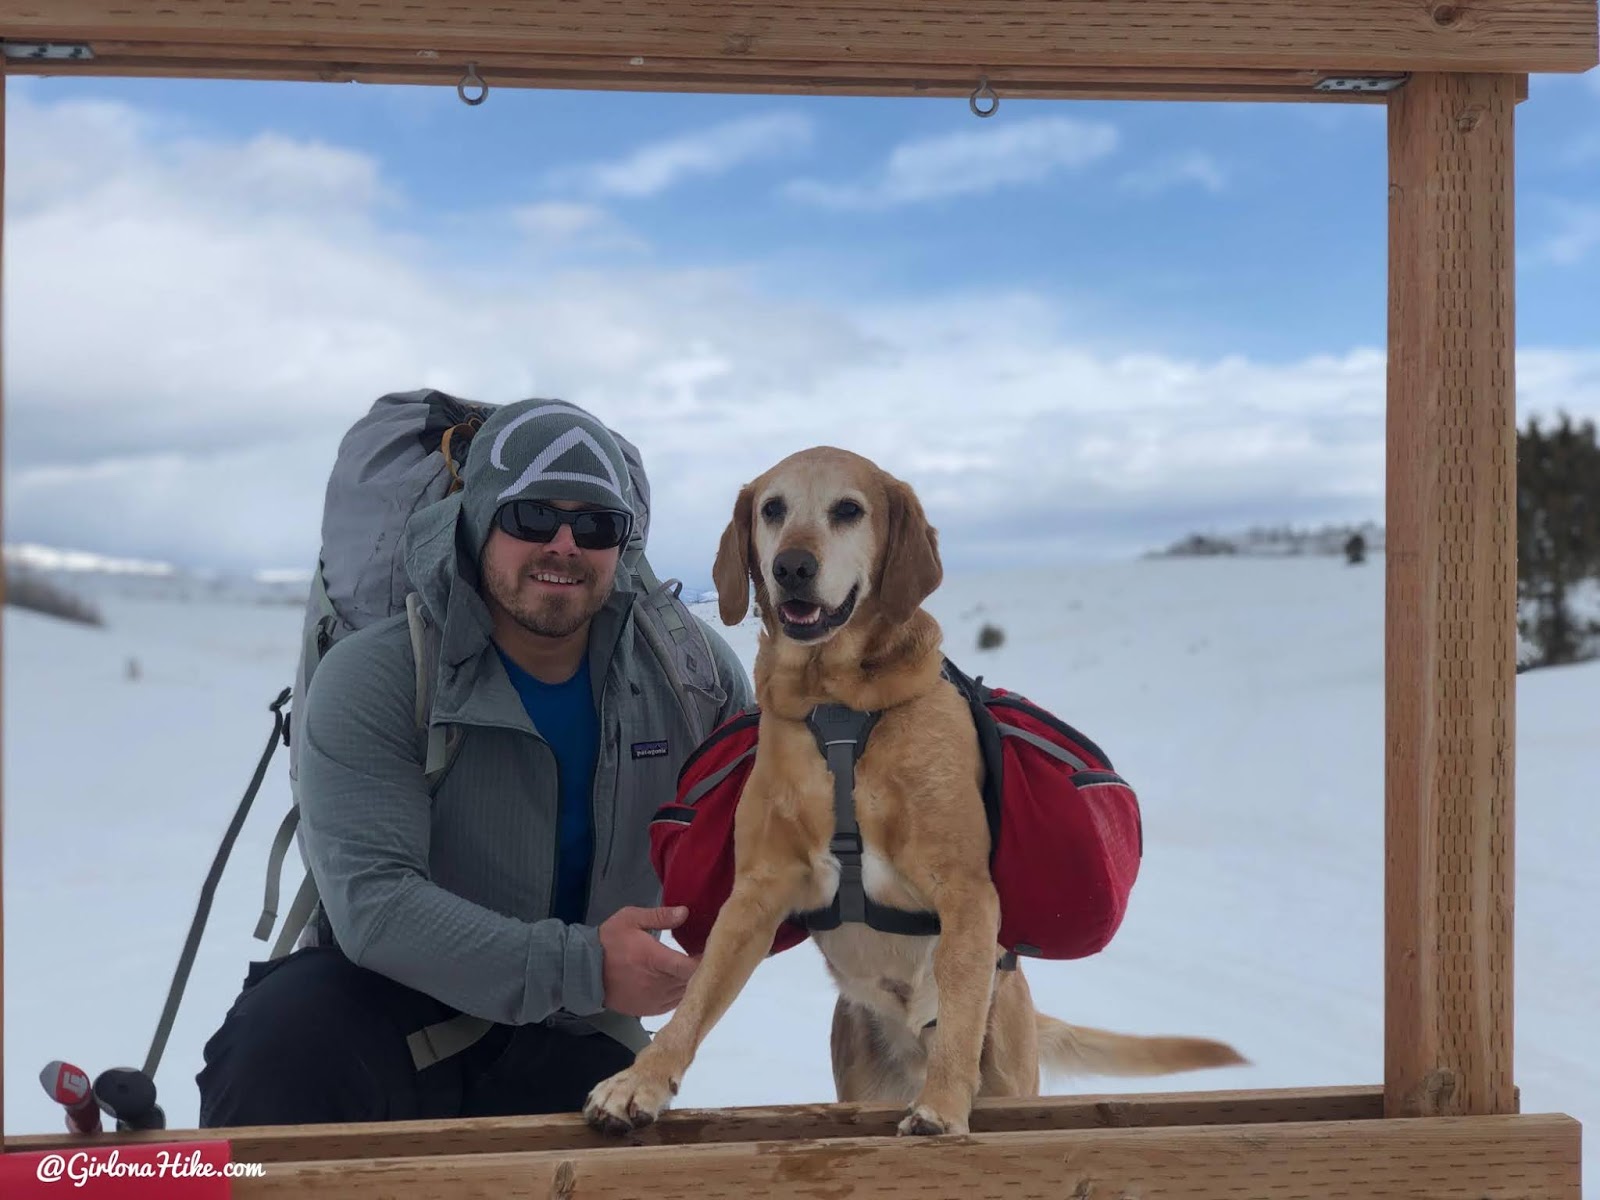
x=841 y=735
x=191 y=943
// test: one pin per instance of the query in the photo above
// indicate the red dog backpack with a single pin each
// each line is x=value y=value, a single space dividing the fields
x=1065 y=829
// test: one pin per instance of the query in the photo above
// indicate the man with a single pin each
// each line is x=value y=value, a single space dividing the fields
x=492 y=945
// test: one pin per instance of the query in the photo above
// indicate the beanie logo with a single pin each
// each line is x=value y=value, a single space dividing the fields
x=604 y=474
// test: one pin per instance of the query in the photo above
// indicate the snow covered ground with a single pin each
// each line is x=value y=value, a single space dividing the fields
x=1243 y=698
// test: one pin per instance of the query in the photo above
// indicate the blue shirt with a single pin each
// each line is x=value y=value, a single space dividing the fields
x=564 y=715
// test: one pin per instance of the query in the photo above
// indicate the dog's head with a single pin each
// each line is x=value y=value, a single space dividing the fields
x=827 y=537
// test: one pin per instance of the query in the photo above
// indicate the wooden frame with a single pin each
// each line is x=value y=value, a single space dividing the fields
x=1445 y=1118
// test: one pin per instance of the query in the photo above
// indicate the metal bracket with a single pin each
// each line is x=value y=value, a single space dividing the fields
x=51 y=51
x=1362 y=83
x=472 y=79
x=985 y=93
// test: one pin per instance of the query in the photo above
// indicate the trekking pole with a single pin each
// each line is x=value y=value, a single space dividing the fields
x=130 y=1094
x=130 y=1097
x=69 y=1087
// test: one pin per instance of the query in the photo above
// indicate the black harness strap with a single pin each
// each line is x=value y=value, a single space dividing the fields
x=842 y=738
x=841 y=735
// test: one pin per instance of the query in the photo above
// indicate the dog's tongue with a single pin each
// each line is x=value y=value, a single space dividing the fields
x=800 y=612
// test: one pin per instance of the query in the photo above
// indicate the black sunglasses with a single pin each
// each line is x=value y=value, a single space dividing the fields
x=592 y=528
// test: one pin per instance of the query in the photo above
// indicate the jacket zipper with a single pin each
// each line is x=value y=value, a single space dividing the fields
x=596 y=868
x=555 y=853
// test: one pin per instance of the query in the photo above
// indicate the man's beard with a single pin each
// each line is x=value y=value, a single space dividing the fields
x=549 y=613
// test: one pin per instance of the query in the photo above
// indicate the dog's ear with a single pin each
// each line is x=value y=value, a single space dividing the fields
x=731 y=572
x=911 y=566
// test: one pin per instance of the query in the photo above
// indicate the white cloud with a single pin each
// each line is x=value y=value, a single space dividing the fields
x=1194 y=168
x=183 y=357
x=569 y=227
x=654 y=168
x=968 y=163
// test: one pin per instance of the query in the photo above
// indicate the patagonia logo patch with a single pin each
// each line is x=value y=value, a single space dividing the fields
x=650 y=749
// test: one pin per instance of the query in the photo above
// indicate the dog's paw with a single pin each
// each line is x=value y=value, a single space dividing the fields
x=923 y=1121
x=629 y=1100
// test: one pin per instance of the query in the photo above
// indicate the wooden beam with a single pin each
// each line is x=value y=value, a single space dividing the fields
x=978 y=36
x=811 y=1122
x=592 y=73
x=1487 y=1158
x=1450 y=641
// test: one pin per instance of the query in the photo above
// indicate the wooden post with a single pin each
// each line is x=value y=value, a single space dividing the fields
x=1450 y=640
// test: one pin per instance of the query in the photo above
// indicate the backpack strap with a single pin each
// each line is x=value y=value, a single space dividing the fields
x=318 y=638
x=977 y=696
x=442 y=742
x=191 y=943
x=681 y=645
x=319 y=633
x=841 y=734
x=280 y=850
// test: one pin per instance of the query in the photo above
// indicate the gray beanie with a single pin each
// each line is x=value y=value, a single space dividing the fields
x=540 y=450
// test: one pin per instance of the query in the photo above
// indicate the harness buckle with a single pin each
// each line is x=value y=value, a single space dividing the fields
x=846 y=844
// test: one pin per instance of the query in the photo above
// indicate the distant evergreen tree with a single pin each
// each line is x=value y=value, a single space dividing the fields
x=1558 y=537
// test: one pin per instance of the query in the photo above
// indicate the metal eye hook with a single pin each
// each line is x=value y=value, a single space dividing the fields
x=978 y=94
x=472 y=79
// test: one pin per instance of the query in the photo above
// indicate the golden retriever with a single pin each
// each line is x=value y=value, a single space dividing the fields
x=842 y=557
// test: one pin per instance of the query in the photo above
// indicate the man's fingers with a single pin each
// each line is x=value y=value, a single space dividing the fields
x=662 y=918
x=669 y=962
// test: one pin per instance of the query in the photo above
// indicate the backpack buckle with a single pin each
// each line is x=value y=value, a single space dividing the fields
x=846 y=844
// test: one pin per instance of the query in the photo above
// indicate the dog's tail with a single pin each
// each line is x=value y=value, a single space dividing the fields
x=1082 y=1050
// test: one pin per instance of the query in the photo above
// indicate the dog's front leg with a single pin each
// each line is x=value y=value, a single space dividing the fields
x=963 y=971
x=739 y=939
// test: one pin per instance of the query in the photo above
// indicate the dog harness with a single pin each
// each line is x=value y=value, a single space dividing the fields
x=841 y=734
x=1065 y=832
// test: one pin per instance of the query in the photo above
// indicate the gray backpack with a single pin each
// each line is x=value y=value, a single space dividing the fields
x=403 y=455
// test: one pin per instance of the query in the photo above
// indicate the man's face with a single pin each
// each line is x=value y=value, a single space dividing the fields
x=549 y=588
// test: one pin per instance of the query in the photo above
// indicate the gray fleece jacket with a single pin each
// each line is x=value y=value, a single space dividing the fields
x=450 y=893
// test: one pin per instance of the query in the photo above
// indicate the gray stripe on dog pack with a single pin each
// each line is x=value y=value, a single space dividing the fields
x=1049 y=747
x=716 y=777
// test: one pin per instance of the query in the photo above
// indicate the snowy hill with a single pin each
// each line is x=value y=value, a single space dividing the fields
x=1243 y=698
x=1276 y=541
x=99 y=576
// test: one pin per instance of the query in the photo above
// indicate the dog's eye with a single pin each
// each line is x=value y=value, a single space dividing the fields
x=774 y=509
x=845 y=510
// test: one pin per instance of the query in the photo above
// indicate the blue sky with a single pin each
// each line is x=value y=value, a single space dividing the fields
x=1126 y=320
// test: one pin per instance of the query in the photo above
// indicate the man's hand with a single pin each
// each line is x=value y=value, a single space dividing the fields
x=642 y=977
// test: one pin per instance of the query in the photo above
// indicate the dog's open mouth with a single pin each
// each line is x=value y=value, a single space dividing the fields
x=806 y=621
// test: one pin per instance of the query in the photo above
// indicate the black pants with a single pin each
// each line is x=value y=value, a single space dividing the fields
x=313 y=1038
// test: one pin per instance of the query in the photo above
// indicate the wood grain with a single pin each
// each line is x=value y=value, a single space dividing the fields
x=808 y=1122
x=1486 y=1158
x=1515 y=36
x=1450 y=639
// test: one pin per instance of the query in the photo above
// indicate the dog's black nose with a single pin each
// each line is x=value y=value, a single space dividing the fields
x=794 y=568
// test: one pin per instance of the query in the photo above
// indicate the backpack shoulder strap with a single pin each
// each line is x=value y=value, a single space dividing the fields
x=681 y=644
x=442 y=742
x=977 y=696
